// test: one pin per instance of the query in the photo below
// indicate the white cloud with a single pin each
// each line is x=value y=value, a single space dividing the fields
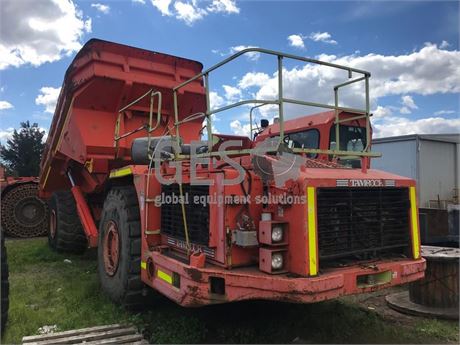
x=45 y=137
x=139 y=1
x=444 y=44
x=4 y=105
x=41 y=33
x=428 y=71
x=425 y=72
x=215 y=100
x=232 y=93
x=408 y=105
x=162 y=6
x=405 y=110
x=253 y=79
x=444 y=112
x=101 y=8
x=322 y=37
x=386 y=124
x=205 y=130
x=296 y=41
x=395 y=126
x=408 y=102
x=381 y=112
x=189 y=12
x=6 y=134
x=223 y=6
x=87 y=26
x=254 y=56
x=240 y=129
x=48 y=98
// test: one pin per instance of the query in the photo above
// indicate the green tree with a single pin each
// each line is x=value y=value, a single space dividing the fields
x=23 y=151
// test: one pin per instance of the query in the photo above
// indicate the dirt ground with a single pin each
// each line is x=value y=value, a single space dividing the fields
x=376 y=302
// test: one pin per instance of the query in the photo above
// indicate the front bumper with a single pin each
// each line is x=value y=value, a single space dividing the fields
x=191 y=287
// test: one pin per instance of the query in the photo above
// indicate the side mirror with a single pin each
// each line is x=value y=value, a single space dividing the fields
x=264 y=123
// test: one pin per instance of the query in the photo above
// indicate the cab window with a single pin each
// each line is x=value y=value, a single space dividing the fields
x=308 y=139
x=351 y=138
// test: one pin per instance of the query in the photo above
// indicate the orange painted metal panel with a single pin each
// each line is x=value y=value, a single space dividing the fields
x=104 y=77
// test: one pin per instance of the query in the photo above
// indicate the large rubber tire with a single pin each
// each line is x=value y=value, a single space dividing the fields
x=24 y=214
x=119 y=273
x=65 y=233
x=5 y=287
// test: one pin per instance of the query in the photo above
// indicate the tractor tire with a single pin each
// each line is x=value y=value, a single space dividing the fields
x=5 y=287
x=65 y=232
x=23 y=213
x=119 y=249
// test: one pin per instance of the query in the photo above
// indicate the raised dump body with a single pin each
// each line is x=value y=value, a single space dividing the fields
x=104 y=78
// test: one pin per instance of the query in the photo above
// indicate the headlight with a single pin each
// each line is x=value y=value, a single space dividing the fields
x=277 y=261
x=277 y=234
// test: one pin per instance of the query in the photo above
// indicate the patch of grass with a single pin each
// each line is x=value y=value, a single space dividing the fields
x=23 y=253
x=44 y=290
x=189 y=330
x=445 y=331
x=47 y=291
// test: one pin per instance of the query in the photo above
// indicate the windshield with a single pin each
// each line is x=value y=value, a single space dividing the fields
x=351 y=139
x=308 y=139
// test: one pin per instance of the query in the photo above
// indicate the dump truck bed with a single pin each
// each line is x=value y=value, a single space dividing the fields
x=103 y=78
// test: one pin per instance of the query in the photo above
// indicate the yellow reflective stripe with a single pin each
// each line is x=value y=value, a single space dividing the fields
x=312 y=231
x=46 y=176
x=66 y=121
x=164 y=276
x=89 y=165
x=414 y=218
x=120 y=172
x=143 y=265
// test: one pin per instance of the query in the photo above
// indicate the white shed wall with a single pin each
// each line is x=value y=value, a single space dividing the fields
x=437 y=174
x=399 y=157
x=435 y=167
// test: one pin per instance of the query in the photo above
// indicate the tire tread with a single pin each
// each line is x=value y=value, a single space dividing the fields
x=70 y=237
x=125 y=199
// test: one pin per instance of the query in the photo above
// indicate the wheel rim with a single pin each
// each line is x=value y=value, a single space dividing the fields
x=29 y=212
x=53 y=222
x=111 y=249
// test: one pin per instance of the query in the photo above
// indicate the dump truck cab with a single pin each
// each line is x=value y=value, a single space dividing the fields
x=288 y=215
x=318 y=131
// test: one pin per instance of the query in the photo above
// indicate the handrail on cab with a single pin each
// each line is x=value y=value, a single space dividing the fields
x=362 y=113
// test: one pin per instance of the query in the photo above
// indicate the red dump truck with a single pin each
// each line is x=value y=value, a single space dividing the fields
x=292 y=214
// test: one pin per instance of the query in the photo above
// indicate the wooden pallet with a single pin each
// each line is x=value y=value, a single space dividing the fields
x=110 y=334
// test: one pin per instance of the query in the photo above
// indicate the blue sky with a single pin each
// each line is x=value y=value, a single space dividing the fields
x=411 y=48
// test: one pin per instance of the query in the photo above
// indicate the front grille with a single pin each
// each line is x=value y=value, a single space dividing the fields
x=172 y=223
x=362 y=223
